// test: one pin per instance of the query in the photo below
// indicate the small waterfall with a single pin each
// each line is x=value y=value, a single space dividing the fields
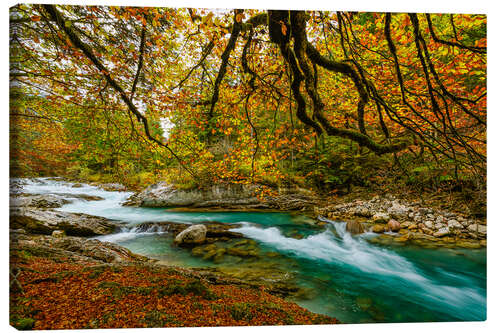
x=128 y=233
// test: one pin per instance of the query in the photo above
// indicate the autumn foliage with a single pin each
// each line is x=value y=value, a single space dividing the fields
x=197 y=96
x=63 y=294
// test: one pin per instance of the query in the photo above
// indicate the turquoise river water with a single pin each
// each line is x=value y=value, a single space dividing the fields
x=345 y=276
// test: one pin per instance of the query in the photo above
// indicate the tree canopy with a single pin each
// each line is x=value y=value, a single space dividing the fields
x=277 y=96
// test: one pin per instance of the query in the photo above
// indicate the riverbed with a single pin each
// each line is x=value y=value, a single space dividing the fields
x=343 y=276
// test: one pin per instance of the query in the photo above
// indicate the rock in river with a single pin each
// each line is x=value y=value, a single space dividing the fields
x=193 y=235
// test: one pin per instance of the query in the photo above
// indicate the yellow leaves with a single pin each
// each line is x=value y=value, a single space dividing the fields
x=207 y=19
x=443 y=51
x=239 y=17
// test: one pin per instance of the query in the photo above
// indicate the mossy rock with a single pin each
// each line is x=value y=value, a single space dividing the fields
x=241 y=242
x=210 y=247
x=210 y=254
x=197 y=251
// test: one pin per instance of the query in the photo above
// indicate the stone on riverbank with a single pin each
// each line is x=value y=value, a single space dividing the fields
x=442 y=232
x=477 y=228
x=58 y=233
x=420 y=220
x=393 y=225
x=381 y=217
x=76 y=248
x=41 y=221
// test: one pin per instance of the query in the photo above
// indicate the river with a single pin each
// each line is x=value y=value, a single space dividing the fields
x=343 y=276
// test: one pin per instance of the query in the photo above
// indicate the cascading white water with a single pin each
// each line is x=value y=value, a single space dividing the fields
x=339 y=248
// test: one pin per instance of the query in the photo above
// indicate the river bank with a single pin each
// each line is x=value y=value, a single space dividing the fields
x=317 y=264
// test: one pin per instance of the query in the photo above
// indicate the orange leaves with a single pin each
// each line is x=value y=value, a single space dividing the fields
x=84 y=295
x=239 y=17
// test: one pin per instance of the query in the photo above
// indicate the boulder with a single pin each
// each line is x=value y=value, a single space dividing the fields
x=215 y=230
x=48 y=200
x=42 y=221
x=354 y=227
x=227 y=195
x=393 y=225
x=195 y=234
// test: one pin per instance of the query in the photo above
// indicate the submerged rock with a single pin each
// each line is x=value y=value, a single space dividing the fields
x=195 y=234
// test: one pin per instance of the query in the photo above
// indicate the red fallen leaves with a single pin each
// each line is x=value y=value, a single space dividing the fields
x=63 y=295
